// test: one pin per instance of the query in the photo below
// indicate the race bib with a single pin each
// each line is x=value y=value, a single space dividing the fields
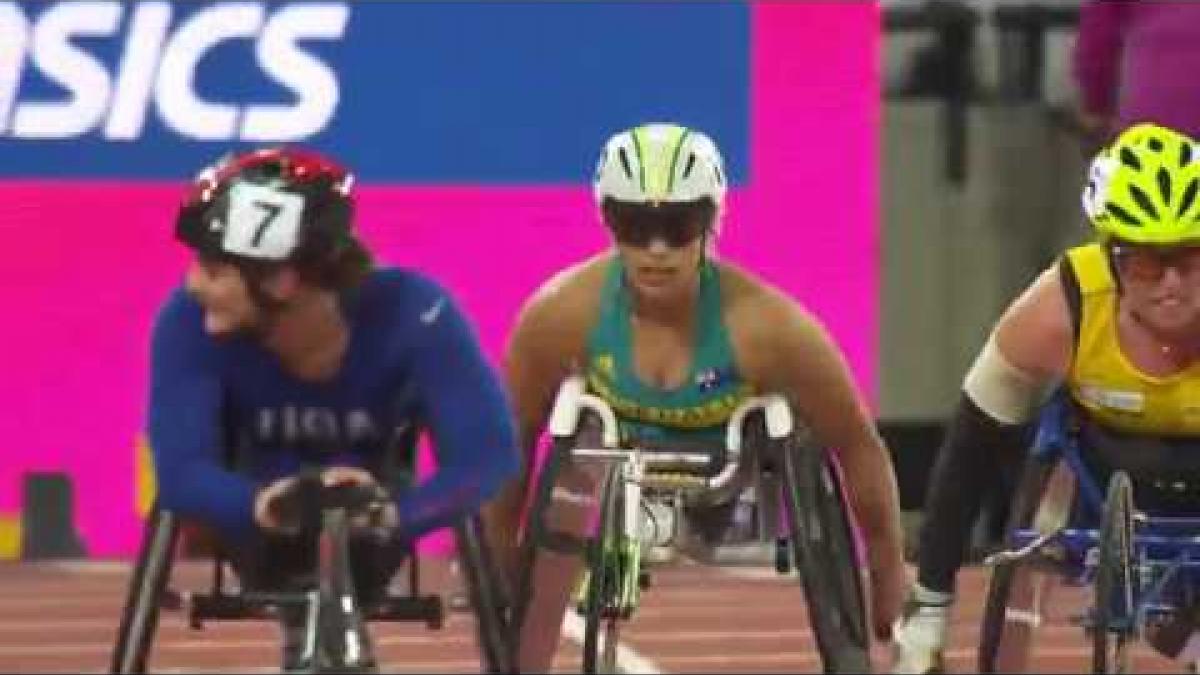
x=261 y=222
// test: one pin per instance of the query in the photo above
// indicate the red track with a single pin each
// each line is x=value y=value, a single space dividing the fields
x=62 y=617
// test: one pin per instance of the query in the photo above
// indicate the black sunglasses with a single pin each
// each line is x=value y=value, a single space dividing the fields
x=677 y=225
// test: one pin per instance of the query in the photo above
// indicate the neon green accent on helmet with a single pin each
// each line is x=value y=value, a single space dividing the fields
x=656 y=159
x=1144 y=188
x=675 y=161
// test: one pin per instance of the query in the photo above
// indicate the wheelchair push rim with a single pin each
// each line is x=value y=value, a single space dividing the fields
x=1114 y=615
x=822 y=541
x=1008 y=621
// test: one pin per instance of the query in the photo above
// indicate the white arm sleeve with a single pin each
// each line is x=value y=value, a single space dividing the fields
x=1000 y=389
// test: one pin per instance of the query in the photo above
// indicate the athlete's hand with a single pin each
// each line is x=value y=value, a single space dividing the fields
x=386 y=520
x=889 y=586
x=264 y=515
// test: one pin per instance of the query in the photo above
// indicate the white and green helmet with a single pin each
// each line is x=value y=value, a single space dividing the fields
x=660 y=163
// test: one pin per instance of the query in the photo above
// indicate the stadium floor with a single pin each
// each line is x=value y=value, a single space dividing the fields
x=62 y=617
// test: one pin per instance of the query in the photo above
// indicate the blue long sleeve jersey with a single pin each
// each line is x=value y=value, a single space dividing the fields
x=412 y=362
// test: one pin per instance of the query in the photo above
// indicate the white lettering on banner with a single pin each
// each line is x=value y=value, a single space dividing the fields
x=12 y=51
x=158 y=67
x=148 y=33
x=77 y=71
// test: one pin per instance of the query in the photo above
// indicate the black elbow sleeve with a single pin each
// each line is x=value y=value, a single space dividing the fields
x=977 y=462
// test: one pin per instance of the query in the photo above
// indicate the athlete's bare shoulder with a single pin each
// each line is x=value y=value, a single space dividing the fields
x=1036 y=333
x=556 y=319
x=762 y=321
x=571 y=295
x=753 y=307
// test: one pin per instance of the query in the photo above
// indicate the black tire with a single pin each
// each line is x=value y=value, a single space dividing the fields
x=1115 y=597
x=484 y=590
x=602 y=617
x=139 y=619
x=1008 y=575
x=823 y=546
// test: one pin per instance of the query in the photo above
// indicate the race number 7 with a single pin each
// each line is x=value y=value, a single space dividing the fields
x=270 y=213
x=263 y=222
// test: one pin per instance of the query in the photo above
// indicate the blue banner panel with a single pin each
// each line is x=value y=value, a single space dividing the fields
x=407 y=92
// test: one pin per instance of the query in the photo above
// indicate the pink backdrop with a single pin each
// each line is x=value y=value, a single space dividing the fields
x=86 y=264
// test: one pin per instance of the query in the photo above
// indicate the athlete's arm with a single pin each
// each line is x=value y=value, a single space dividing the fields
x=467 y=416
x=1029 y=348
x=185 y=424
x=803 y=362
x=538 y=357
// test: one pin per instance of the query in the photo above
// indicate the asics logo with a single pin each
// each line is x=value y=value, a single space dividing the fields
x=156 y=65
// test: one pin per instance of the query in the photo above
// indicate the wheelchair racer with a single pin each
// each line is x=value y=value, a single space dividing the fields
x=289 y=349
x=674 y=339
x=1116 y=322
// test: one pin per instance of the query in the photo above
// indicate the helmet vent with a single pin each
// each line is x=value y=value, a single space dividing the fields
x=1155 y=144
x=691 y=162
x=1189 y=196
x=625 y=162
x=1185 y=154
x=1164 y=185
x=1143 y=200
x=720 y=176
x=1124 y=216
x=1130 y=160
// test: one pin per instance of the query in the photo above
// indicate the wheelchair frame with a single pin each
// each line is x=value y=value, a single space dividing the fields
x=1151 y=556
x=803 y=473
x=149 y=591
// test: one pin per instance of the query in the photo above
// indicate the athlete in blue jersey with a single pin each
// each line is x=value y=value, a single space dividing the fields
x=674 y=339
x=289 y=350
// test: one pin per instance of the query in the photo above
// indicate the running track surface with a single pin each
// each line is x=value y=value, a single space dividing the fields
x=62 y=617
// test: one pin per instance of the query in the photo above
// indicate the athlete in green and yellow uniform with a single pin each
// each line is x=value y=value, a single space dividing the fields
x=710 y=391
x=674 y=340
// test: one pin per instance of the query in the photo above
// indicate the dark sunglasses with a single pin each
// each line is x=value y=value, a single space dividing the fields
x=675 y=226
x=1149 y=263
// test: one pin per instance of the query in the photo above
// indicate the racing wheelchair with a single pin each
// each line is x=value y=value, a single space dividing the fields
x=1141 y=564
x=802 y=508
x=335 y=638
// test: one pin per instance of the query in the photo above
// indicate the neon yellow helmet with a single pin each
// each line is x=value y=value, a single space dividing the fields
x=1143 y=187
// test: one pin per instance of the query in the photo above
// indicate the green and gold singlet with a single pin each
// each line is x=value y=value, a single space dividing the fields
x=695 y=411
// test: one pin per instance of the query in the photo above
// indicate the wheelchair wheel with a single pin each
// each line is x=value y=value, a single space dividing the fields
x=1114 y=598
x=1012 y=587
x=603 y=621
x=486 y=597
x=139 y=620
x=823 y=546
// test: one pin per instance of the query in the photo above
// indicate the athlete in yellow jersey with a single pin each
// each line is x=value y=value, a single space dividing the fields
x=1116 y=322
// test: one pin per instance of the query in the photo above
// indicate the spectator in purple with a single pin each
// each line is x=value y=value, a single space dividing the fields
x=1137 y=61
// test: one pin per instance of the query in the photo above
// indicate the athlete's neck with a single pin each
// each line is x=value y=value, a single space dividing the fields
x=310 y=336
x=677 y=310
